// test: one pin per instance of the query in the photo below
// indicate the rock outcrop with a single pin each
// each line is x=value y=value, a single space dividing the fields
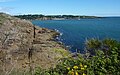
x=22 y=49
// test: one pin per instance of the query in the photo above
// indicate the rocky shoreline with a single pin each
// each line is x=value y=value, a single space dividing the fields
x=21 y=50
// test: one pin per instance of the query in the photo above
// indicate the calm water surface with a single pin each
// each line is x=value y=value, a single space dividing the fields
x=75 y=32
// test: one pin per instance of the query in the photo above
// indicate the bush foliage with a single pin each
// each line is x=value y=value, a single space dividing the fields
x=102 y=58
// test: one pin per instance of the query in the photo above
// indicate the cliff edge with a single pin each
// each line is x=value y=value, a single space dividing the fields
x=24 y=46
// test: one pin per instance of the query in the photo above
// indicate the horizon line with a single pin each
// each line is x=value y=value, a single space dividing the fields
x=60 y=14
x=69 y=14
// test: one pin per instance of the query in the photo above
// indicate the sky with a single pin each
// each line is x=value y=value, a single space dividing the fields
x=61 y=7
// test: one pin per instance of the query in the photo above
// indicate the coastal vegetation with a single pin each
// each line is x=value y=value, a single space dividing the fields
x=104 y=61
x=54 y=17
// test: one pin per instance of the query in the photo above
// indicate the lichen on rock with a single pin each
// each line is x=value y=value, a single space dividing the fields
x=16 y=41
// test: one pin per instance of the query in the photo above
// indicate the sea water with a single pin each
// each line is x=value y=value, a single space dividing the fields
x=75 y=32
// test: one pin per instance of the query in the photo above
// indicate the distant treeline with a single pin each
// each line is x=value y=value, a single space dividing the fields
x=53 y=17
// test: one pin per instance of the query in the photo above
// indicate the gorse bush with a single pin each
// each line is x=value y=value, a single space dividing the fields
x=92 y=45
x=68 y=66
x=106 y=57
x=105 y=45
x=103 y=59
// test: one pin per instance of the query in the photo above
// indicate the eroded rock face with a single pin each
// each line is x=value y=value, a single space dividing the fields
x=19 y=50
x=14 y=41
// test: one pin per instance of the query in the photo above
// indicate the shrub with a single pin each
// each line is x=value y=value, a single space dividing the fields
x=105 y=61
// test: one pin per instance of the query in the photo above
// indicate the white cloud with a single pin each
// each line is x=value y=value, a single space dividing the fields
x=6 y=0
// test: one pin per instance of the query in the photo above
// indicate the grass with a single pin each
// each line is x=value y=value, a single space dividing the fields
x=61 y=51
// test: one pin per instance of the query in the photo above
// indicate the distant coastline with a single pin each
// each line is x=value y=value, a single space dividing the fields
x=54 y=17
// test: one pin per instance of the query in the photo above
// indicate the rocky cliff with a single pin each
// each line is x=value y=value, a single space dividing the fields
x=24 y=46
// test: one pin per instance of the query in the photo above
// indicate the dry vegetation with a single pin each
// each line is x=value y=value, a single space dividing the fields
x=20 y=52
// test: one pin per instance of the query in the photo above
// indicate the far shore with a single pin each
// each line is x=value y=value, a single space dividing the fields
x=55 y=17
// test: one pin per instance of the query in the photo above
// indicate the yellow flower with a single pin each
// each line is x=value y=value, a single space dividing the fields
x=72 y=70
x=85 y=66
x=75 y=67
x=76 y=73
x=83 y=74
x=81 y=65
x=82 y=68
x=68 y=68
x=71 y=73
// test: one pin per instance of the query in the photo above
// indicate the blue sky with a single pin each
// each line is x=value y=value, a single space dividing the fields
x=59 y=7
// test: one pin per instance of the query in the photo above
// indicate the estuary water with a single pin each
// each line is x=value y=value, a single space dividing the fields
x=75 y=32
